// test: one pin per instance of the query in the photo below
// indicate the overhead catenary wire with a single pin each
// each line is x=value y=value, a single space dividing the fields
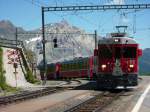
x=40 y=3
x=134 y=23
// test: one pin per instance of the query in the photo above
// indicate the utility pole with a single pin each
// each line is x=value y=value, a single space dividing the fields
x=95 y=35
x=43 y=41
x=15 y=72
x=16 y=36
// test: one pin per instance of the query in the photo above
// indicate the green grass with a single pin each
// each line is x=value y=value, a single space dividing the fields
x=2 y=77
x=29 y=77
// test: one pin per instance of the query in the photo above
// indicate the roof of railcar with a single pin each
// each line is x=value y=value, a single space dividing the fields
x=122 y=37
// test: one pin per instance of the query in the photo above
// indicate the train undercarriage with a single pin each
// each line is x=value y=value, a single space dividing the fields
x=109 y=81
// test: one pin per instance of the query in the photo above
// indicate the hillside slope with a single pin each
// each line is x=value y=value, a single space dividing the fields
x=8 y=29
x=144 y=61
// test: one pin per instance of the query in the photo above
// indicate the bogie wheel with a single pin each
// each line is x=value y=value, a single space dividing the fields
x=99 y=85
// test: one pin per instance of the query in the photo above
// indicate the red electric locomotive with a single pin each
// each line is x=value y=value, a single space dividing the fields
x=117 y=58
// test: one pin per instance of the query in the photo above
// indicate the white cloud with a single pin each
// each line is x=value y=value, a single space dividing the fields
x=116 y=2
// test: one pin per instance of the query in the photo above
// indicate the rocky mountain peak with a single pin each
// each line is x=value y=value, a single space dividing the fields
x=6 y=27
x=6 y=23
x=64 y=22
x=61 y=27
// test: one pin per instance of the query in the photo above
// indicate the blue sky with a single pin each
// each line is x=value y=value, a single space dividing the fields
x=27 y=14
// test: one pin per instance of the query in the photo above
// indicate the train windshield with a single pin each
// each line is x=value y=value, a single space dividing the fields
x=129 y=52
x=105 y=52
x=117 y=52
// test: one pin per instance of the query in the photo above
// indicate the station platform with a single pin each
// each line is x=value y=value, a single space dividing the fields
x=143 y=103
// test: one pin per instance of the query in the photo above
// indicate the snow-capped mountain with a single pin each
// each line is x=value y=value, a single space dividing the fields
x=72 y=42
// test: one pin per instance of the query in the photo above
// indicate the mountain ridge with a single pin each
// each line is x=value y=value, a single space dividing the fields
x=8 y=29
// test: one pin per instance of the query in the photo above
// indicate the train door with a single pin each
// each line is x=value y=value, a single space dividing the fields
x=91 y=67
x=57 y=71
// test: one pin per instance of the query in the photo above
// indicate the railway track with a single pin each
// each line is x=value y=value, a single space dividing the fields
x=97 y=103
x=75 y=81
x=30 y=95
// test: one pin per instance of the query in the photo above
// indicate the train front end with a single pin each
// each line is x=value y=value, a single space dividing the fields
x=117 y=61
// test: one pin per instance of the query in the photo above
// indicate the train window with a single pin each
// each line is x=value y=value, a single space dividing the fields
x=86 y=63
x=65 y=66
x=77 y=64
x=74 y=65
x=117 y=52
x=129 y=52
x=62 y=67
x=105 y=52
x=68 y=66
x=50 y=68
x=81 y=65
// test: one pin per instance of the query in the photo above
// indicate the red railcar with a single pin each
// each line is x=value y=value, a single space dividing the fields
x=77 y=68
x=117 y=58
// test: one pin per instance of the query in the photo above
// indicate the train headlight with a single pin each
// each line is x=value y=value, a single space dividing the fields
x=116 y=40
x=103 y=66
x=131 y=66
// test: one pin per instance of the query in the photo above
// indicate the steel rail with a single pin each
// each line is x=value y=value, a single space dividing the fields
x=96 y=103
x=30 y=95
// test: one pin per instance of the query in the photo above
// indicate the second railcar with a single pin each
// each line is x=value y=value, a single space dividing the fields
x=77 y=68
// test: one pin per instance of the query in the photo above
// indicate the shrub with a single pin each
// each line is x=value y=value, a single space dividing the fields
x=30 y=78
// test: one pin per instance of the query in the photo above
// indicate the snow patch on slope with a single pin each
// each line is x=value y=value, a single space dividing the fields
x=72 y=42
x=33 y=39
